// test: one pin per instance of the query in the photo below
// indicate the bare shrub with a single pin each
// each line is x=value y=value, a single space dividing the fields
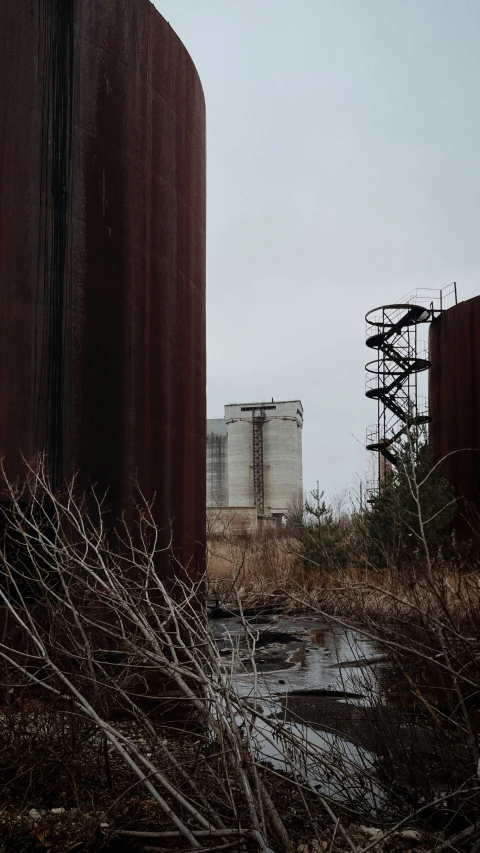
x=104 y=659
x=104 y=666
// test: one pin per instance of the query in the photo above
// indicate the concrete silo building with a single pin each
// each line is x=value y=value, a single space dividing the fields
x=254 y=462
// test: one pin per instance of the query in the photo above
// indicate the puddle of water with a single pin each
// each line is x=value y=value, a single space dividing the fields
x=325 y=711
x=310 y=660
x=335 y=767
x=308 y=665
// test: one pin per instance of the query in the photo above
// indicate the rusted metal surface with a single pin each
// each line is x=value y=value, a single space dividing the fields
x=455 y=405
x=102 y=254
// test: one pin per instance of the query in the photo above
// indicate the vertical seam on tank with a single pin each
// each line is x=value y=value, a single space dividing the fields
x=61 y=186
x=68 y=268
x=148 y=229
x=42 y=253
x=56 y=155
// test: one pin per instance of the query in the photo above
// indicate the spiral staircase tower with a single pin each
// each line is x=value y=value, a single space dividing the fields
x=392 y=377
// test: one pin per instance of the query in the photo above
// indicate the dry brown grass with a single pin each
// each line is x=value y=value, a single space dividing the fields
x=269 y=571
x=256 y=570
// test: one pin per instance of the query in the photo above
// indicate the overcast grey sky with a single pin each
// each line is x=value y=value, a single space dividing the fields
x=343 y=171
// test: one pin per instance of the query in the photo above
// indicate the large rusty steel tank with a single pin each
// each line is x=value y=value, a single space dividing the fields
x=102 y=256
x=454 y=391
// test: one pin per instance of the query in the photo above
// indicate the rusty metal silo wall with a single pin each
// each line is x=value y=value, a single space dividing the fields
x=455 y=406
x=102 y=254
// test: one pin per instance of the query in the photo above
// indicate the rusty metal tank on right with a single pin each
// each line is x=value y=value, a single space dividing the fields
x=454 y=392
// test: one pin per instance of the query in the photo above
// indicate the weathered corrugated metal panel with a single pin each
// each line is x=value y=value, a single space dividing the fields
x=102 y=254
x=455 y=402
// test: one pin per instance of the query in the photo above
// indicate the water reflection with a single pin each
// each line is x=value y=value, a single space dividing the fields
x=299 y=656
x=318 y=636
x=310 y=674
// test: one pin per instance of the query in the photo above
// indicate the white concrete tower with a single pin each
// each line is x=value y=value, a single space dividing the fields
x=265 y=455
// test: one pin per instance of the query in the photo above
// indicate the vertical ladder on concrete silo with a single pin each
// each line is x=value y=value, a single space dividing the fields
x=258 y=482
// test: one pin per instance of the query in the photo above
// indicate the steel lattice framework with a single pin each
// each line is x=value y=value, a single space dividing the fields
x=392 y=378
x=258 y=480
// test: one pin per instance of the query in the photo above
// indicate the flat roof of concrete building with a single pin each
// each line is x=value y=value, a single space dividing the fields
x=265 y=403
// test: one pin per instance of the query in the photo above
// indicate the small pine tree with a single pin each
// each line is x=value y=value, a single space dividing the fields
x=320 y=535
x=392 y=526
